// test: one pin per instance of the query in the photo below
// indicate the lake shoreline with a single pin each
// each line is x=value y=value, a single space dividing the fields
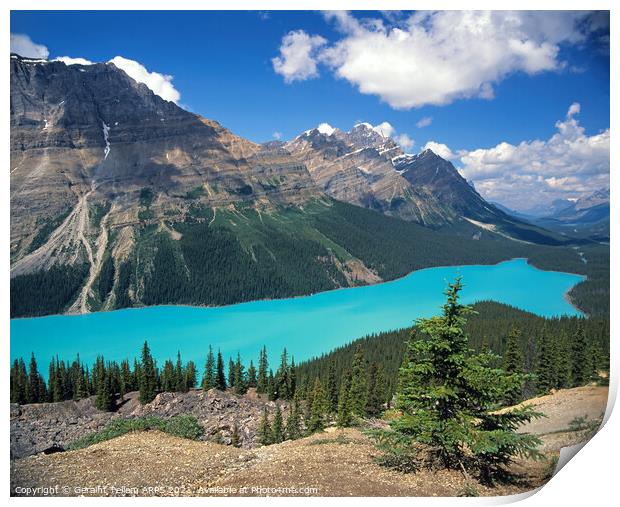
x=383 y=282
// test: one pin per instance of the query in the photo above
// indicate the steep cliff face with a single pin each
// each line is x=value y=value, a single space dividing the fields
x=85 y=136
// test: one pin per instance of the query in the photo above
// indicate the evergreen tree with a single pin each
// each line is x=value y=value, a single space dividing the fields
x=282 y=378
x=448 y=396
x=239 y=381
x=376 y=392
x=19 y=382
x=252 y=375
x=293 y=423
x=265 y=433
x=263 y=366
x=545 y=367
x=189 y=376
x=513 y=363
x=220 y=378
x=345 y=409
x=332 y=388
x=580 y=358
x=148 y=376
x=105 y=394
x=318 y=410
x=126 y=379
x=563 y=362
x=277 y=427
x=168 y=377
x=272 y=392
x=179 y=377
x=208 y=378
x=358 y=390
x=34 y=379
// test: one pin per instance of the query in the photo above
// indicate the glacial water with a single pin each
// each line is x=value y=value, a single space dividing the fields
x=306 y=326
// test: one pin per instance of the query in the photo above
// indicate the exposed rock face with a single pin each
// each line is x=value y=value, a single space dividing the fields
x=439 y=177
x=357 y=167
x=38 y=427
x=85 y=135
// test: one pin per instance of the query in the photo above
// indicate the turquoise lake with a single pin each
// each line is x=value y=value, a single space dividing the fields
x=306 y=326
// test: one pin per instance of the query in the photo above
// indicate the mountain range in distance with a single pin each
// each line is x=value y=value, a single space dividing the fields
x=120 y=198
x=585 y=217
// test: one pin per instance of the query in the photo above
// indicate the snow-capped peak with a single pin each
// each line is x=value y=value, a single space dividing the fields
x=326 y=128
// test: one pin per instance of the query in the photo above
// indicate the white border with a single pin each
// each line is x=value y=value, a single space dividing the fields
x=588 y=480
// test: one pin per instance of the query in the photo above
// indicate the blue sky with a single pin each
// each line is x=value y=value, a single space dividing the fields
x=222 y=66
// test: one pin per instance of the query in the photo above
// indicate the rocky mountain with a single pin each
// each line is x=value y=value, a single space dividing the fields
x=120 y=198
x=356 y=167
x=365 y=168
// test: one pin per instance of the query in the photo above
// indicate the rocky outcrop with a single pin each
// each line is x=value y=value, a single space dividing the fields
x=46 y=427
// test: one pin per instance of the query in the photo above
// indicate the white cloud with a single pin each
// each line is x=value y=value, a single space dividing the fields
x=385 y=129
x=404 y=141
x=297 y=60
x=434 y=57
x=575 y=108
x=22 y=45
x=67 y=60
x=440 y=149
x=160 y=84
x=424 y=122
x=277 y=135
x=568 y=164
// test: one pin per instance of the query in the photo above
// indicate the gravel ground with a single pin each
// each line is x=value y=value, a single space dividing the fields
x=332 y=463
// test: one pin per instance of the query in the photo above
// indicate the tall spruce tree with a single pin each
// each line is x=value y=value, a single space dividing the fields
x=220 y=377
x=208 y=377
x=34 y=379
x=293 y=423
x=148 y=376
x=580 y=358
x=376 y=391
x=545 y=366
x=263 y=367
x=318 y=410
x=240 y=384
x=358 y=390
x=251 y=375
x=189 y=375
x=448 y=396
x=345 y=409
x=282 y=377
x=332 y=387
x=513 y=363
